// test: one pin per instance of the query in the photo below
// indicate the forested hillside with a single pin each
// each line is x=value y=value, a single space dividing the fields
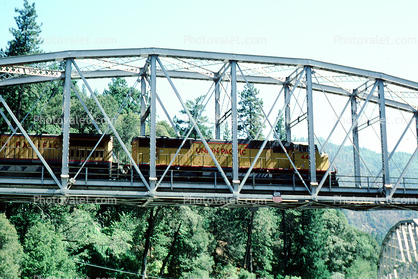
x=181 y=242
x=375 y=222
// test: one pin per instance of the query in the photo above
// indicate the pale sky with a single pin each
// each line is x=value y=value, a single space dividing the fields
x=373 y=35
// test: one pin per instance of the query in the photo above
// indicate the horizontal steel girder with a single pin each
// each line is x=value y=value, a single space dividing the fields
x=26 y=189
x=197 y=76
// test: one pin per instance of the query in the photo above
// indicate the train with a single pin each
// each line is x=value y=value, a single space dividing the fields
x=17 y=155
x=193 y=163
x=197 y=164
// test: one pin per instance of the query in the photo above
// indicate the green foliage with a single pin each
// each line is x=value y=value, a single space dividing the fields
x=118 y=89
x=280 y=130
x=195 y=108
x=265 y=238
x=26 y=40
x=163 y=129
x=46 y=253
x=227 y=132
x=250 y=115
x=186 y=242
x=190 y=257
x=128 y=128
x=211 y=242
x=27 y=35
x=11 y=251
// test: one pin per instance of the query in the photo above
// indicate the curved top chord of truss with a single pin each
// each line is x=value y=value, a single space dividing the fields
x=203 y=55
x=398 y=255
x=202 y=65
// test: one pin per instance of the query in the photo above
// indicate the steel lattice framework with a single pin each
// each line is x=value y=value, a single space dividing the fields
x=399 y=256
x=224 y=71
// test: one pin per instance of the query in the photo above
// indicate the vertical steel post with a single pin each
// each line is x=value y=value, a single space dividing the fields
x=143 y=103
x=153 y=115
x=217 y=110
x=383 y=134
x=416 y=122
x=356 y=145
x=287 y=92
x=66 y=124
x=234 y=107
x=311 y=138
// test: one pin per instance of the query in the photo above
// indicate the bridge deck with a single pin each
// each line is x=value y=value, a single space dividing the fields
x=132 y=191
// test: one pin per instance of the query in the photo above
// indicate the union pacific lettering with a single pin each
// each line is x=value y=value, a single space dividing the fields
x=51 y=145
x=221 y=151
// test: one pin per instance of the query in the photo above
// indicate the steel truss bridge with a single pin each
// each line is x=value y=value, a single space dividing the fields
x=296 y=83
x=399 y=256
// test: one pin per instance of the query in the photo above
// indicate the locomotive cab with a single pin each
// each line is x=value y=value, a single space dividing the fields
x=301 y=157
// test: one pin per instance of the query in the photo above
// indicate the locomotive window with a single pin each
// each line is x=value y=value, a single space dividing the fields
x=72 y=153
x=303 y=148
x=277 y=148
x=98 y=154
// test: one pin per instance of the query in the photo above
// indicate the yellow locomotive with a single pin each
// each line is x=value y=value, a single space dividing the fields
x=17 y=149
x=193 y=163
x=195 y=158
x=194 y=154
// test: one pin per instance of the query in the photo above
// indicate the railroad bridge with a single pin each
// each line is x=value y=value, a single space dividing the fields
x=310 y=96
x=398 y=255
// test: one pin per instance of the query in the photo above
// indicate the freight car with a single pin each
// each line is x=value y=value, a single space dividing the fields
x=196 y=163
x=17 y=154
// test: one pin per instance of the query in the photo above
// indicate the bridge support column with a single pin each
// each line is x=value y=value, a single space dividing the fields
x=356 y=148
x=416 y=123
x=383 y=134
x=217 y=109
x=393 y=190
x=287 y=94
x=311 y=134
x=143 y=103
x=66 y=125
x=153 y=115
x=234 y=108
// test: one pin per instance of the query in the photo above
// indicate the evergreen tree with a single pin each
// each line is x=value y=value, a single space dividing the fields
x=164 y=129
x=118 y=88
x=250 y=114
x=312 y=253
x=280 y=130
x=194 y=107
x=46 y=253
x=26 y=41
x=27 y=35
x=11 y=251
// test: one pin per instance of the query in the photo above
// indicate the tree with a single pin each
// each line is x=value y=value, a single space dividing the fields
x=46 y=253
x=27 y=36
x=250 y=113
x=195 y=107
x=164 y=129
x=11 y=252
x=128 y=128
x=280 y=130
x=312 y=252
x=118 y=88
x=151 y=223
x=26 y=41
x=190 y=256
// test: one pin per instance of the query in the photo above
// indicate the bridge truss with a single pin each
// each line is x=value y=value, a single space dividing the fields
x=398 y=256
x=295 y=82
